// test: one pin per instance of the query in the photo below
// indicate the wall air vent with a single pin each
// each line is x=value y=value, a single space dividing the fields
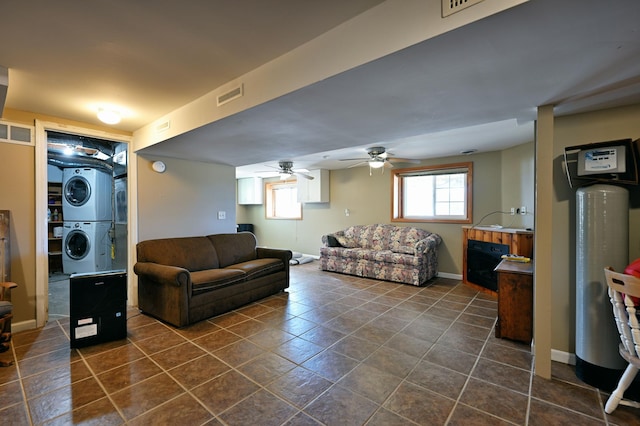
x=16 y=133
x=164 y=126
x=450 y=7
x=235 y=93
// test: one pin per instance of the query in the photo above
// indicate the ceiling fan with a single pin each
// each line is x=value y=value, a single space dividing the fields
x=379 y=158
x=286 y=170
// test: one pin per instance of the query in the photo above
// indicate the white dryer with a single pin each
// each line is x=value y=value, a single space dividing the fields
x=87 y=194
x=86 y=247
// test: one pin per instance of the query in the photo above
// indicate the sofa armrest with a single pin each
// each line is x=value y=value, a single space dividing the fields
x=163 y=274
x=427 y=244
x=284 y=255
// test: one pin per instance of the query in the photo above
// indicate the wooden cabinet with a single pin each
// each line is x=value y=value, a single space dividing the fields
x=55 y=226
x=316 y=190
x=515 y=301
x=250 y=191
x=519 y=241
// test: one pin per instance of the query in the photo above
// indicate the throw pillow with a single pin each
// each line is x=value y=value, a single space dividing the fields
x=347 y=242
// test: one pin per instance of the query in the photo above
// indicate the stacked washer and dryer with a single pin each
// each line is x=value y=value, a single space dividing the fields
x=87 y=206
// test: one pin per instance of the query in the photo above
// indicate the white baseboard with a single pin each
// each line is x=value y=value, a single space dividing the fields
x=563 y=357
x=448 y=275
x=23 y=326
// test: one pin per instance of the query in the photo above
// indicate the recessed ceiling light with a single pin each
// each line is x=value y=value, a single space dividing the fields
x=109 y=116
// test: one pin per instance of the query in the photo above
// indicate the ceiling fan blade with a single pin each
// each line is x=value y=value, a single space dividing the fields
x=353 y=159
x=403 y=160
x=358 y=164
x=304 y=175
x=300 y=171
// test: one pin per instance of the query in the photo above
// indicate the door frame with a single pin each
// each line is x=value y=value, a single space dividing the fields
x=42 y=258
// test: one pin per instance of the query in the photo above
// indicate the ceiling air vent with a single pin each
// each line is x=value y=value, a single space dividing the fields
x=232 y=94
x=450 y=7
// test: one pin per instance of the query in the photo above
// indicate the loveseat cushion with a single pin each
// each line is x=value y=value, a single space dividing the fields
x=259 y=267
x=211 y=279
x=234 y=248
x=190 y=253
x=381 y=256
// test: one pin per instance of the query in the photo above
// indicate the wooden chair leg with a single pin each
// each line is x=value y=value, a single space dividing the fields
x=5 y=338
x=625 y=381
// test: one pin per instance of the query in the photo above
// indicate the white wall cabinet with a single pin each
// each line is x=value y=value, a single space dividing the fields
x=316 y=190
x=250 y=191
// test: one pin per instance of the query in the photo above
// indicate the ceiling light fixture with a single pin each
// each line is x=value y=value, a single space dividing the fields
x=376 y=163
x=109 y=116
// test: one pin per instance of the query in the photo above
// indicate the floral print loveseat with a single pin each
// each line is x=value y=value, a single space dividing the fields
x=381 y=251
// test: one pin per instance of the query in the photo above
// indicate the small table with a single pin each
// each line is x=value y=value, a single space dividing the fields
x=515 y=301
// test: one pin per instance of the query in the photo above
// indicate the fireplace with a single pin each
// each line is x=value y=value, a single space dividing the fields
x=482 y=258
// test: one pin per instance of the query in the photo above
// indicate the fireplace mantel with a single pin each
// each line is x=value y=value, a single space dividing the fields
x=520 y=241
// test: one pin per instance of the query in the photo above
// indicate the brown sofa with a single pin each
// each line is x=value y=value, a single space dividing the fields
x=185 y=280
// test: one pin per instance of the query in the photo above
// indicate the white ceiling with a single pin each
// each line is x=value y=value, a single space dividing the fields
x=476 y=87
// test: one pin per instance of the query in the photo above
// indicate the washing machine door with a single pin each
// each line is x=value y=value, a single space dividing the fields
x=77 y=244
x=77 y=191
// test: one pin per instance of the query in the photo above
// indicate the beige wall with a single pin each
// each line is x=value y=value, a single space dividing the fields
x=518 y=184
x=368 y=199
x=185 y=199
x=17 y=194
x=573 y=130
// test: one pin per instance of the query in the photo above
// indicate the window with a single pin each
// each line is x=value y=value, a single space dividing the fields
x=282 y=200
x=433 y=194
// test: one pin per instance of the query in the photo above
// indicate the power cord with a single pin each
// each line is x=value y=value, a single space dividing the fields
x=489 y=214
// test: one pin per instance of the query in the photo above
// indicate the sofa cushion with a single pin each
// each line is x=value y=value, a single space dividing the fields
x=234 y=248
x=211 y=279
x=396 y=247
x=259 y=267
x=190 y=253
x=381 y=256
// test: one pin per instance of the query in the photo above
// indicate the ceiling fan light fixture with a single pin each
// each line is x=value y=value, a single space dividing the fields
x=376 y=163
x=109 y=116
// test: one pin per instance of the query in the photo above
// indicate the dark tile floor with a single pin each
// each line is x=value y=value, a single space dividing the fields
x=333 y=350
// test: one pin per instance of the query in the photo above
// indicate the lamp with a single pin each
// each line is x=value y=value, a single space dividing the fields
x=376 y=163
x=109 y=116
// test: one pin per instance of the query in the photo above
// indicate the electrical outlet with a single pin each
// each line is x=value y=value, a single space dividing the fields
x=222 y=215
x=523 y=210
x=513 y=211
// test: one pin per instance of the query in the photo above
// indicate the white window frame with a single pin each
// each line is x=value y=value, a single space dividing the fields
x=271 y=208
x=399 y=179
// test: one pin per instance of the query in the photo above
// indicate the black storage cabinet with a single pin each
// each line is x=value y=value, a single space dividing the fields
x=98 y=307
x=245 y=227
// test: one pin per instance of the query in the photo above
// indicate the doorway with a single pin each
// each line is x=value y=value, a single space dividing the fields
x=87 y=214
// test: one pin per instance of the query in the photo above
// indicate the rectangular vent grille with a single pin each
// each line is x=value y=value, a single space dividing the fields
x=235 y=93
x=450 y=7
x=16 y=133
x=162 y=127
